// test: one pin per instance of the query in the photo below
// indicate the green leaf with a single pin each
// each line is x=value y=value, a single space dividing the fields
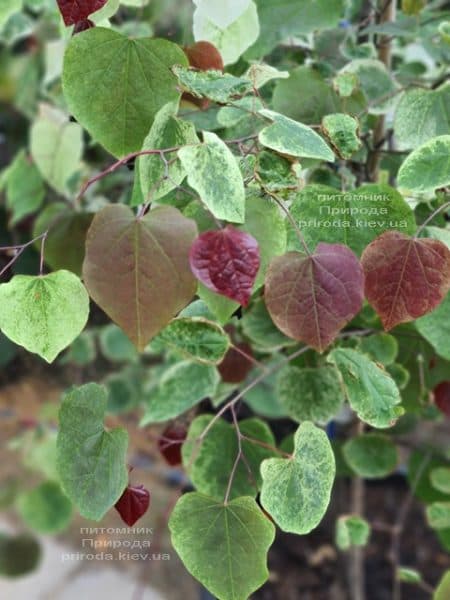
x=215 y=85
x=91 y=461
x=428 y=167
x=115 y=345
x=376 y=83
x=438 y=515
x=224 y=546
x=19 y=555
x=296 y=491
x=197 y=339
x=221 y=306
x=82 y=350
x=210 y=463
x=371 y=391
x=427 y=110
x=181 y=387
x=408 y=575
x=310 y=394
x=351 y=531
x=276 y=173
x=443 y=589
x=222 y=12
x=8 y=8
x=44 y=314
x=56 y=146
x=45 y=508
x=262 y=398
x=156 y=177
x=287 y=18
x=290 y=137
x=260 y=329
x=435 y=328
x=100 y=61
x=25 y=189
x=440 y=479
x=231 y=41
x=371 y=455
x=342 y=133
x=353 y=218
x=214 y=173
x=382 y=347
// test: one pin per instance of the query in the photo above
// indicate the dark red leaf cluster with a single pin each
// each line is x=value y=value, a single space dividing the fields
x=170 y=442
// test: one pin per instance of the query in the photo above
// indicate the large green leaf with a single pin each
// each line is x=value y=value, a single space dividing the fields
x=43 y=314
x=114 y=86
x=310 y=394
x=198 y=339
x=371 y=391
x=354 y=218
x=137 y=268
x=91 y=461
x=290 y=137
x=296 y=491
x=422 y=114
x=214 y=173
x=224 y=546
x=157 y=176
x=435 y=328
x=181 y=387
x=210 y=463
x=45 y=508
x=428 y=167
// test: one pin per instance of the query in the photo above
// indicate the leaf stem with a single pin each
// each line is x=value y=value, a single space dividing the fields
x=18 y=249
x=431 y=217
x=281 y=203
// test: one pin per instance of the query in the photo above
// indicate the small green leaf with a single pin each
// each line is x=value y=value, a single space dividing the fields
x=214 y=173
x=371 y=391
x=435 y=328
x=91 y=461
x=198 y=339
x=310 y=394
x=221 y=306
x=25 y=189
x=290 y=137
x=296 y=491
x=438 y=515
x=45 y=508
x=215 y=85
x=44 y=314
x=182 y=386
x=408 y=575
x=382 y=347
x=351 y=531
x=224 y=546
x=19 y=555
x=440 y=479
x=428 y=167
x=210 y=463
x=371 y=455
x=342 y=133
x=115 y=345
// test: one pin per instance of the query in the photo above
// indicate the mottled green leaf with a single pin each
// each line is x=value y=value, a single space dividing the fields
x=438 y=515
x=351 y=531
x=342 y=133
x=296 y=491
x=428 y=167
x=376 y=82
x=215 y=85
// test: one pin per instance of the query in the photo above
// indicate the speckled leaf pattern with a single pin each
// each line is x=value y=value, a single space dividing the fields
x=370 y=390
x=342 y=133
x=311 y=298
x=224 y=546
x=214 y=173
x=428 y=167
x=405 y=277
x=44 y=314
x=137 y=269
x=124 y=84
x=296 y=491
x=91 y=461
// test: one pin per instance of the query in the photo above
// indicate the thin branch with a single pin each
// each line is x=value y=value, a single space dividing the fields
x=431 y=217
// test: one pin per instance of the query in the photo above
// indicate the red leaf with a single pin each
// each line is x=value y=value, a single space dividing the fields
x=442 y=397
x=204 y=56
x=234 y=368
x=226 y=262
x=133 y=504
x=405 y=277
x=170 y=443
x=311 y=298
x=74 y=11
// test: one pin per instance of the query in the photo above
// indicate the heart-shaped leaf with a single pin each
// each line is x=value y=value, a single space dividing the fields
x=44 y=314
x=114 y=86
x=405 y=277
x=133 y=504
x=137 y=269
x=428 y=167
x=224 y=546
x=227 y=262
x=311 y=298
x=74 y=11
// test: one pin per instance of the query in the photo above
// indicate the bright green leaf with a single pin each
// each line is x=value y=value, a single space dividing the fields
x=440 y=479
x=382 y=347
x=438 y=515
x=428 y=167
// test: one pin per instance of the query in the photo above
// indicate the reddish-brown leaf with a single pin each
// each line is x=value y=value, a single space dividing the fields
x=227 y=262
x=235 y=366
x=83 y=26
x=204 y=56
x=441 y=395
x=170 y=442
x=405 y=277
x=133 y=504
x=74 y=11
x=137 y=269
x=311 y=298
